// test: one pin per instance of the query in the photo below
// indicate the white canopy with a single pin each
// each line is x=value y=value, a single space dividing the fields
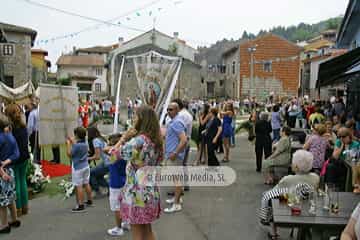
x=16 y=93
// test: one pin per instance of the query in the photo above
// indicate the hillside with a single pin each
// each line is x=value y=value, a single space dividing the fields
x=294 y=34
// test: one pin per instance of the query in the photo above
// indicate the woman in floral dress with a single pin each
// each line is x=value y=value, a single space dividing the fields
x=317 y=145
x=140 y=203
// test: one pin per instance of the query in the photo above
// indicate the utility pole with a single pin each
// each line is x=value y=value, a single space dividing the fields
x=251 y=50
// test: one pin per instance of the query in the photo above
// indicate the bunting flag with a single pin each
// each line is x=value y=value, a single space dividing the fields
x=150 y=13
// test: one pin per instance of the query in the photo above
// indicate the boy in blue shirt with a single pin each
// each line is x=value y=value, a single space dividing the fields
x=77 y=150
x=117 y=181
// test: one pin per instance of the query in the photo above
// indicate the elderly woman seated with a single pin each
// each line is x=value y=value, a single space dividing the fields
x=302 y=163
x=280 y=157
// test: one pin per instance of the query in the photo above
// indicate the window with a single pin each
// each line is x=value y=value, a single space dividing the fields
x=210 y=89
x=221 y=83
x=267 y=67
x=8 y=49
x=84 y=86
x=233 y=67
x=98 y=71
x=97 y=87
x=202 y=79
x=9 y=81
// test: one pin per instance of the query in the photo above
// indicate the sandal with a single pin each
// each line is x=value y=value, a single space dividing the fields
x=273 y=236
x=15 y=224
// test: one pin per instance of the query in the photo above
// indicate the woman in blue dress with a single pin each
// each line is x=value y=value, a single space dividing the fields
x=227 y=130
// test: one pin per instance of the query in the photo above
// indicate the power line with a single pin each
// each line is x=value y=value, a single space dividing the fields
x=81 y=16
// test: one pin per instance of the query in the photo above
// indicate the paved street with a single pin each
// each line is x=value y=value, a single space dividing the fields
x=209 y=213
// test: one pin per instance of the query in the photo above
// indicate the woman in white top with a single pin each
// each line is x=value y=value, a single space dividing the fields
x=352 y=230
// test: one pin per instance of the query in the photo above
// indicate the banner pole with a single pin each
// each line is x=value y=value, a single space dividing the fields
x=116 y=118
x=171 y=91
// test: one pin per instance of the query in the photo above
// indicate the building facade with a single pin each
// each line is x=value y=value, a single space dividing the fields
x=231 y=59
x=268 y=64
x=317 y=49
x=343 y=72
x=87 y=72
x=40 y=66
x=15 y=54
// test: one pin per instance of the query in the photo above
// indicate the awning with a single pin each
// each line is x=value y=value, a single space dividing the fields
x=335 y=69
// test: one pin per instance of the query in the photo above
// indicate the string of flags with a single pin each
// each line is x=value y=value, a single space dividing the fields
x=120 y=23
x=128 y=17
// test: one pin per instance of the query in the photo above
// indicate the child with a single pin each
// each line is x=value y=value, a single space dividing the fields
x=117 y=180
x=78 y=152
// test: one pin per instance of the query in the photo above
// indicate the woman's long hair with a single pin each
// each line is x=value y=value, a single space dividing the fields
x=14 y=113
x=206 y=110
x=148 y=124
x=93 y=133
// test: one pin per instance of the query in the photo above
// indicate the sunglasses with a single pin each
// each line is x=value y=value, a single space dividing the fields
x=170 y=109
x=343 y=136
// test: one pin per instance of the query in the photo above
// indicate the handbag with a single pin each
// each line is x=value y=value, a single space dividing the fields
x=324 y=167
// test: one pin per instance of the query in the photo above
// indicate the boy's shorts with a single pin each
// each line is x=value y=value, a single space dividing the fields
x=81 y=176
x=114 y=199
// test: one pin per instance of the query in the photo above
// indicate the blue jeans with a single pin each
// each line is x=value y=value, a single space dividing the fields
x=276 y=135
x=97 y=177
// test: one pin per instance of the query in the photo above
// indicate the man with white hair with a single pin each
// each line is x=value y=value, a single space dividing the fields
x=302 y=163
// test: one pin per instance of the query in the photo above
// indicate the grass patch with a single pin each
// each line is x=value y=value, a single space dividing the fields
x=52 y=189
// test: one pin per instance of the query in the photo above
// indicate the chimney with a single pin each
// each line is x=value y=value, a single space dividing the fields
x=120 y=41
x=74 y=50
x=176 y=35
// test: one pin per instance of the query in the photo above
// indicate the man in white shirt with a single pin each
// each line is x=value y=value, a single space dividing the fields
x=33 y=131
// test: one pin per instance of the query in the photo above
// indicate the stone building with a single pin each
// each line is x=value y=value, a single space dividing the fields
x=276 y=67
x=189 y=84
x=231 y=59
x=15 y=54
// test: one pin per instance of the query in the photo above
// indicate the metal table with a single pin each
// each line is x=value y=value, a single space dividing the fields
x=322 y=221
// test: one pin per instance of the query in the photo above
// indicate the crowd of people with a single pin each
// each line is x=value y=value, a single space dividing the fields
x=333 y=138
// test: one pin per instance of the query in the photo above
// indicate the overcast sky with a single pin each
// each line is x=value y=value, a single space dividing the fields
x=199 y=22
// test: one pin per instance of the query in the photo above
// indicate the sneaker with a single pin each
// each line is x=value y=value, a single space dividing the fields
x=172 y=200
x=173 y=208
x=125 y=226
x=78 y=209
x=116 y=231
x=89 y=203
